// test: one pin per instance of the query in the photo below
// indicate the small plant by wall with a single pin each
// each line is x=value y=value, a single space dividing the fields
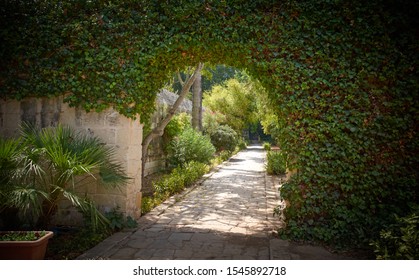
x=225 y=155
x=175 y=182
x=267 y=146
x=275 y=163
x=117 y=221
x=241 y=145
x=400 y=239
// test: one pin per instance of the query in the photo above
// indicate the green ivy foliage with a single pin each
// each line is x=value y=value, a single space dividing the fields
x=341 y=78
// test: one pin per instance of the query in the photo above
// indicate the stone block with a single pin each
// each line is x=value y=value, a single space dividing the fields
x=68 y=116
x=122 y=137
x=11 y=121
x=68 y=217
x=108 y=202
x=108 y=190
x=134 y=153
x=50 y=111
x=86 y=184
x=112 y=118
x=136 y=130
x=10 y=107
x=106 y=135
x=134 y=165
x=28 y=111
x=92 y=120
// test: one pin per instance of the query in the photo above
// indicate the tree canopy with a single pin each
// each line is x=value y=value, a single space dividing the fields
x=234 y=102
x=341 y=78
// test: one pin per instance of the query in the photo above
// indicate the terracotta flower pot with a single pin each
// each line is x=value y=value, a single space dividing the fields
x=25 y=250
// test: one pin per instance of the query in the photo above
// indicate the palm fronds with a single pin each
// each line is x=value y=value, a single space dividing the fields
x=50 y=164
x=28 y=199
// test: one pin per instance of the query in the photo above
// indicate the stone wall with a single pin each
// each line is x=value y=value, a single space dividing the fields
x=124 y=134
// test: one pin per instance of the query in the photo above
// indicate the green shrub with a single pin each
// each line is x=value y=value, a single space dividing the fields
x=193 y=171
x=147 y=204
x=399 y=240
x=173 y=183
x=179 y=178
x=216 y=161
x=267 y=146
x=170 y=184
x=225 y=155
x=241 y=144
x=211 y=121
x=190 y=145
x=178 y=124
x=224 y=138
x=117 y=221
x=276 y=163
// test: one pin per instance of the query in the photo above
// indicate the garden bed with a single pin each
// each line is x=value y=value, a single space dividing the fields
x=68 y=245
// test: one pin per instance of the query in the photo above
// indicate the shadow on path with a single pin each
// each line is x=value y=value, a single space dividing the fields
x=227 y=216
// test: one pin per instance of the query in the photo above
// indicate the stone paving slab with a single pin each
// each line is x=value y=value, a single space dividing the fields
x=227 y=215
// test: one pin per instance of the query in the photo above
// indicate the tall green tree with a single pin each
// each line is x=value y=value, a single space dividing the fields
x=233 y=103
x=158 y=130
x=197 y=103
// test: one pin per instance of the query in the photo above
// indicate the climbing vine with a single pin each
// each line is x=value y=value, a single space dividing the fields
x=341 y=78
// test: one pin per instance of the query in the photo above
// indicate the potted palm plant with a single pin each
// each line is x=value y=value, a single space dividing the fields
x=16 y=244
x=47 y=166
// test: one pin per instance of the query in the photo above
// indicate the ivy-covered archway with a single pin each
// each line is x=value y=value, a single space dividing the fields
x=342 y=78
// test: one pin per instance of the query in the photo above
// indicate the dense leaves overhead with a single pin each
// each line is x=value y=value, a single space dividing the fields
x=341 y=78
x=100 y=53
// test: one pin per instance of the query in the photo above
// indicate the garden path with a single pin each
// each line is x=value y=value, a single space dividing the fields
x=228 y=215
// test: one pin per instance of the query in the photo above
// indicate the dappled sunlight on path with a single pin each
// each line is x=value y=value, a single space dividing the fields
x=228 y=216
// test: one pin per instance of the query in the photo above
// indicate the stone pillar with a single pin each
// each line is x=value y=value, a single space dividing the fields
x=125 y=136
x=131 y=154
x=10 y=118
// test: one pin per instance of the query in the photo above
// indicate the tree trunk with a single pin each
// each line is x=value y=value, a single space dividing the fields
x=197 y=103
x=159 y=129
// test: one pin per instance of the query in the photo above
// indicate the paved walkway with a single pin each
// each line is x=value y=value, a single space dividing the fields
x=226 y=216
